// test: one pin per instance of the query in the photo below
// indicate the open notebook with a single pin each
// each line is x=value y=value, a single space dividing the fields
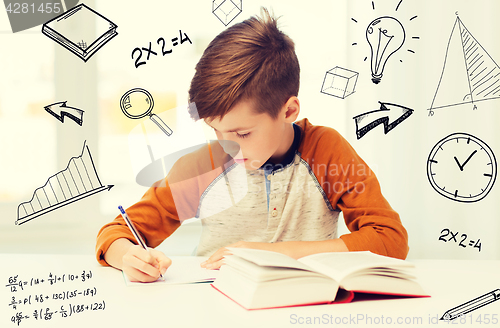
x=183 y=270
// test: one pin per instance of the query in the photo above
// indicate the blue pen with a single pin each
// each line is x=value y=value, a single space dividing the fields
x=134 y=230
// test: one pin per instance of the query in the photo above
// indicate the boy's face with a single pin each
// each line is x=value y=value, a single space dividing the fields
x=259 y=136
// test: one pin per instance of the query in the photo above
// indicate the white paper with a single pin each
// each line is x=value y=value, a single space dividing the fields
x=183 y=270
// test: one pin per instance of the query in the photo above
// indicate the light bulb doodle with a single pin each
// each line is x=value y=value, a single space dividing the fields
x=133 y=104
x=385 y=35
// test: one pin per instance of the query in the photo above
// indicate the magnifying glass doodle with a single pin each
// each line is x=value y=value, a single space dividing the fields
x=134 y=103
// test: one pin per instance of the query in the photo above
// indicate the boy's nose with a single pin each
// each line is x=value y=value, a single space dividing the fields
x=230 y=147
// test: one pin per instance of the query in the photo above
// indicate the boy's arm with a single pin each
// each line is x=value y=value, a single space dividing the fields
x=373 y=224
x=137 y=263
x=154 y=216
x=115 y=252
x=165 y=205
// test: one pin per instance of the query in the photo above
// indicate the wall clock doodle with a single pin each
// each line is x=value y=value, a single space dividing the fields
x=462 y=168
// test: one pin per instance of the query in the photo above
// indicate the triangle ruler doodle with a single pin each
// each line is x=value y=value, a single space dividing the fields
x=469 y=73
x=78 y=180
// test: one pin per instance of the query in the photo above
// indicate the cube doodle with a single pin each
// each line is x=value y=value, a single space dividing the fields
x=226 y=10
x=339 y=82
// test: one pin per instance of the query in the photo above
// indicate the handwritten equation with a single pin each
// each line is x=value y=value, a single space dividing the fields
x=70 y=294
x=165 y=50
x=62 y=295
x=461 y=240
x=47 y=313
x=16 y=283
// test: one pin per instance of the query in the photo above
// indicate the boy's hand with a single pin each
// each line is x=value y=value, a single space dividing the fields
x=217 y=259
x=144 y=266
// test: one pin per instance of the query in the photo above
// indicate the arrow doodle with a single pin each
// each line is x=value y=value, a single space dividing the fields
x=59 y=110
x=383 y=118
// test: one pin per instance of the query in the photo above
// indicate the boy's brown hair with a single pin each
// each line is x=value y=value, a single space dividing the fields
x=252 y=60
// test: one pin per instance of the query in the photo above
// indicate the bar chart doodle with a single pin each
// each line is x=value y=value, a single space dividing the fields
x=469 y=73
x=77 y=181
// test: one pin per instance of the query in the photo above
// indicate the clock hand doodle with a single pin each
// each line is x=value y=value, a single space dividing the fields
x=468 y=159
x=464 y=185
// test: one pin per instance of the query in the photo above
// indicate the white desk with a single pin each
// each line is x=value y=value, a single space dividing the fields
x=449 y=282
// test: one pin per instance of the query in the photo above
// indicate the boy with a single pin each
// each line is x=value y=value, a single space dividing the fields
x=300 y=176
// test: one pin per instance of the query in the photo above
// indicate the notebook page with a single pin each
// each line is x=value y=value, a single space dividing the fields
x=183 y=270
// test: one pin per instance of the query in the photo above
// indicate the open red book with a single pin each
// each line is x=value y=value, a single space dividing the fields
x=258 y=279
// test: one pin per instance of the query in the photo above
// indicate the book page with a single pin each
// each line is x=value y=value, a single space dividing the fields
x=259 y=273
x=341 y=264
x=268 y=258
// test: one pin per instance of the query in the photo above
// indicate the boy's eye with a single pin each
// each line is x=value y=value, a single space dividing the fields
x=242 y=135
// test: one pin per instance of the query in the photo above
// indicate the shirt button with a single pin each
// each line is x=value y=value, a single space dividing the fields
x=274 y=213
x=269 y=177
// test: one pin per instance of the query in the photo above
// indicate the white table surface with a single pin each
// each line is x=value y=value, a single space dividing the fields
x=449 y=282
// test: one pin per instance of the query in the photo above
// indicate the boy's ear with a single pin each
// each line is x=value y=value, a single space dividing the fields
x=291 y=109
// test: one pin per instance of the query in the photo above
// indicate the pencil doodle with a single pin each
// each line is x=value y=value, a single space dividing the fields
x=471 y=305
x=381 y=116
x=24 y=15
x=461 y=167
x=59 y=110
x=339 y=82
x=138 y=99
x=226 y=10
x=77 y=181
x=71 y=31
x=469 y=73
x=385 y=35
